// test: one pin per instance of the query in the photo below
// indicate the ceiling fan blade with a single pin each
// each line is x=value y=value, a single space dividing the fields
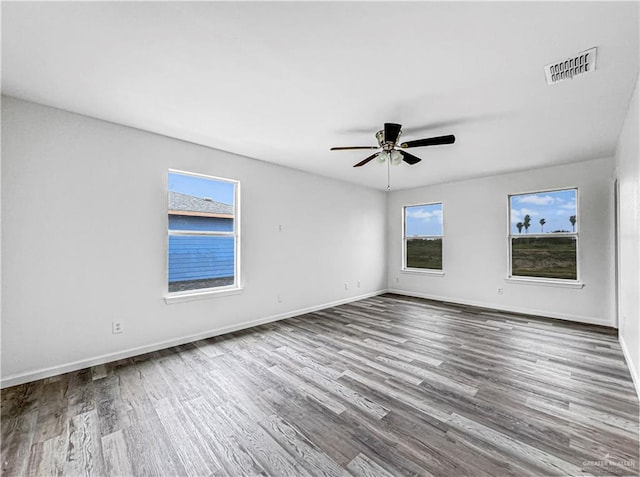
x=362 y=163
x=346 y=148
x=409 y=158
x=432 y=141
x=391 y=132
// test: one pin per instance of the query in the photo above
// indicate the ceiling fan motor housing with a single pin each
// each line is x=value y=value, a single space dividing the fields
x=388 y=137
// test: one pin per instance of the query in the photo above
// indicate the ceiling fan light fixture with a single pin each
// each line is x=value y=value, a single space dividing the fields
x=383 y=156
x=396 y=158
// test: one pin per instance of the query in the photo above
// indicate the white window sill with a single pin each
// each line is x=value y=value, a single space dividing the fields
x=200 y=295
x=418 y=271
x=545 y=282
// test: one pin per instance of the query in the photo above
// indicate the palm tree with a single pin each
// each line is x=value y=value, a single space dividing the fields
x=519 y=225
x=526 y=223
x=542 y=222
x=572 y=219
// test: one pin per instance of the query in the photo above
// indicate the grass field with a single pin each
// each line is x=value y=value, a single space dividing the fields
x=424 y=253
x=540 y=257
x=544 y=257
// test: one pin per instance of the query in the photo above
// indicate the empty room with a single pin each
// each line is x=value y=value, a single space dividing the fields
x=320 y=238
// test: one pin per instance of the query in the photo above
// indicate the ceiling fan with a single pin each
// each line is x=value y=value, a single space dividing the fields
x=388 y=142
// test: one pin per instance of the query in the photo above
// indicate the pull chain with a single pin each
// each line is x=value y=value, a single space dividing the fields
x=388 y=173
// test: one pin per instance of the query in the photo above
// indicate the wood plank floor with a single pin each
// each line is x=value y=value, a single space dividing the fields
x=386 y=386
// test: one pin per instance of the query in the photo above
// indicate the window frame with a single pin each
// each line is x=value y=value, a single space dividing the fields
x=200 y=293
x=425 y=271
x=565 y=282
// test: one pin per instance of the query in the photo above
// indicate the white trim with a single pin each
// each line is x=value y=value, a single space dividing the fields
x=632 y=369
x=428 y=237
x=547 y=282
x=511 y=236
x=509 y=309
x=201 y=232
x=181 y=297
x=17 y=379
x=21 y=378
x=237 y=243
x=547 y=235
x=203 y=176
x=424 y=271
x=617 y=248
x=190 y=295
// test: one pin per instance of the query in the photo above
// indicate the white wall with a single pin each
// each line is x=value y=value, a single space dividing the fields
x=84 y=222
x=475 y=243
x=628 y=173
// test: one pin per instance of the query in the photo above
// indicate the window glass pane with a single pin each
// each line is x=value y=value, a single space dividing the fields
x=544 y=257
x=423 y=220
x=200 y=261
x=197 y=205
x=424 y=253
x=544 y=212
x=203 y=188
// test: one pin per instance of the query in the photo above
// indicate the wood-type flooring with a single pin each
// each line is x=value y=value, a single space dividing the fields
x=385 y=386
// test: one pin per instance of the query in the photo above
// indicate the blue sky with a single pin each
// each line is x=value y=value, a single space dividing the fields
x=424 y=220
x=555 y=207
x=219 y=191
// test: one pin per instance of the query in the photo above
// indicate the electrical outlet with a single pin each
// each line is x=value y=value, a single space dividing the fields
x=358 y=283
x=397 y=279
x=346 y=287
x=500 y=291
x=279 y=298
x=116 y=327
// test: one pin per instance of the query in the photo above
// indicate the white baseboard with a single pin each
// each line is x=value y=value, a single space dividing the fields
x=21 y=378
x=14 y=380
x=632 y=369
x=510 y=309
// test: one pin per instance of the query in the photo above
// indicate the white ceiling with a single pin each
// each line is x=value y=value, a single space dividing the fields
x=283 y=82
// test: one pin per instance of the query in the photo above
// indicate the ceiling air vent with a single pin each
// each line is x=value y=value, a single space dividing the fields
x=569 y=68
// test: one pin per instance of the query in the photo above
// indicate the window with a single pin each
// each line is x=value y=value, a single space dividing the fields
x=423 y=237
x=203 y=233
x=543 y=235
